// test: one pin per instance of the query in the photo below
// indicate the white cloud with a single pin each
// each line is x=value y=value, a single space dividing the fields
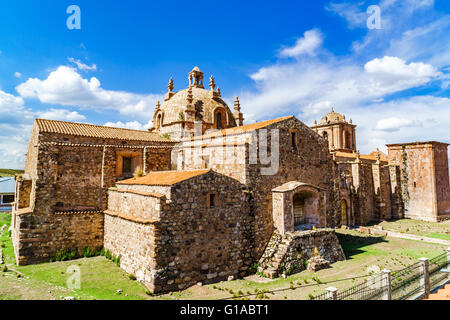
x=61 y=114
x=17 y=74
x=311 y=40
x=66 y=87
x=16 y=121
x=393 y=66
x=395 y=124
x=135 y=125
x=82 y=66
x=355 y=16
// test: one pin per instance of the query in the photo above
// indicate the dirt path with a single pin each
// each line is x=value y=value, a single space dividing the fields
x=409 y=236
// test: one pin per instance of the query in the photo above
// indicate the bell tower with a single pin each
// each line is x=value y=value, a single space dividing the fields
x=341 y=135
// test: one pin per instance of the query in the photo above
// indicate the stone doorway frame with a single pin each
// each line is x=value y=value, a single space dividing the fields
x=283 y=204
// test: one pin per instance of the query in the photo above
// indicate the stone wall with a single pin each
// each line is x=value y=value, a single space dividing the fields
x=309 y=162
x=37 y=238
x=423 y=179
x=188 y=241
x=71 y=175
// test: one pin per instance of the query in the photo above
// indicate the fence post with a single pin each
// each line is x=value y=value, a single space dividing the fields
x=425 y=278
x=448 y=261
x=331 y=293
x=386 y=283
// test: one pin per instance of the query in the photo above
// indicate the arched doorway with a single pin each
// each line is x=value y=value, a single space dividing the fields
x=304 y=205
x=344 y=220
x=299 y=209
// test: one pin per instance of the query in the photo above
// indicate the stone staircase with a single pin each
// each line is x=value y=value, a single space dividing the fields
x=292 y=251
x=273 y=255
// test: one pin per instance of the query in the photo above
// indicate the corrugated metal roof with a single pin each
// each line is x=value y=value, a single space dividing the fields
x=7 y=185
x=89 y=130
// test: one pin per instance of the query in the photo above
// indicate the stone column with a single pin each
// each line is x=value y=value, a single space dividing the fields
x=331 y=293
x=425 y=278
x=386 y=283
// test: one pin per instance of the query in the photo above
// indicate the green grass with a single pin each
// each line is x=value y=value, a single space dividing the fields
x=438 y=236
x=101 y=278
x=10 y=172
x=5 y=240
x=435 y=230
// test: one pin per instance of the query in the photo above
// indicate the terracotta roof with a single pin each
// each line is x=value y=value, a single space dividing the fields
x=441 y=294
x=163 y=178
x=241 y=129
x=372 y=156
x=89 y=130
x=415 y=143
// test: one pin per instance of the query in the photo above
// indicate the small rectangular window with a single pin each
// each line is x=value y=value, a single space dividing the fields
x=126 y=165
x=206 y=162
x=212 y=200
x=294 y=140
x=7 y=199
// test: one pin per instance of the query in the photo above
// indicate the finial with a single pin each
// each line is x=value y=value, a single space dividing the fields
x=332 y=109
x=158 y=105
x=351 y=121
x=212 y=84
x=315 y=122
x=237 y=104
x=170 y=86
x=358 y=159
x=218 y=92
x=189 y=97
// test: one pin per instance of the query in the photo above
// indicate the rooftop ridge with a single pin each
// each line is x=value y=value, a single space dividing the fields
x=241 y=129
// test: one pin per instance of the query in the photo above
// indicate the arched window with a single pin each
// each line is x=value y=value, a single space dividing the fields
x=347 y=144
x=219 y=121
x=158 y=121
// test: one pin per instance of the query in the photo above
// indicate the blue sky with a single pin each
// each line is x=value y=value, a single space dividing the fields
x=294 y=57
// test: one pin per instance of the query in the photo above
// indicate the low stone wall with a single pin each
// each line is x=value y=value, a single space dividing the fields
x=37 y=238
x=289 y=253
x=134 y=243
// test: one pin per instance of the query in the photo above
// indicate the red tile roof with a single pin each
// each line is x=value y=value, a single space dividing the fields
x=163 y=178
x=89 y=130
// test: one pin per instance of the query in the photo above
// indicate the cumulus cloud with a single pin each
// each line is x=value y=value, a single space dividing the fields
x=130 y=125
x=16 y=121
x=61 y=114
x=66 y=87
x=308 y=44
x=395 y=124
x=373 y=84
x=17 y=74
x=82 y=66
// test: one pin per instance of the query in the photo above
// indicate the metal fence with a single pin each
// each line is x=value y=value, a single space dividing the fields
x=412 y=282
x=436 y=264
x=407 y=283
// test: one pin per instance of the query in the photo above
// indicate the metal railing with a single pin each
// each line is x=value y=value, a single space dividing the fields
x=413 y=282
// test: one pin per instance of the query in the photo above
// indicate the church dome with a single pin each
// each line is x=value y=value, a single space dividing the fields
x=333 y=117
x=195 y=103
x=204 y=104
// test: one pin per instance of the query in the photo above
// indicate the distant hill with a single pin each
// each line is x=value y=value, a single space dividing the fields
x=10 y=172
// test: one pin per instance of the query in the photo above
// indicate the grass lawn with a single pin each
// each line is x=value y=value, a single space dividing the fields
x=421 y=228
x=10 y=172
x=101 y=278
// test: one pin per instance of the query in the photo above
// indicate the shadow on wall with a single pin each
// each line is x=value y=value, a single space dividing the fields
x=352 y=244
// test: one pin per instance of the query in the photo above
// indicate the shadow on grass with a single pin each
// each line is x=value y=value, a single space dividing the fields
x=352 y=243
